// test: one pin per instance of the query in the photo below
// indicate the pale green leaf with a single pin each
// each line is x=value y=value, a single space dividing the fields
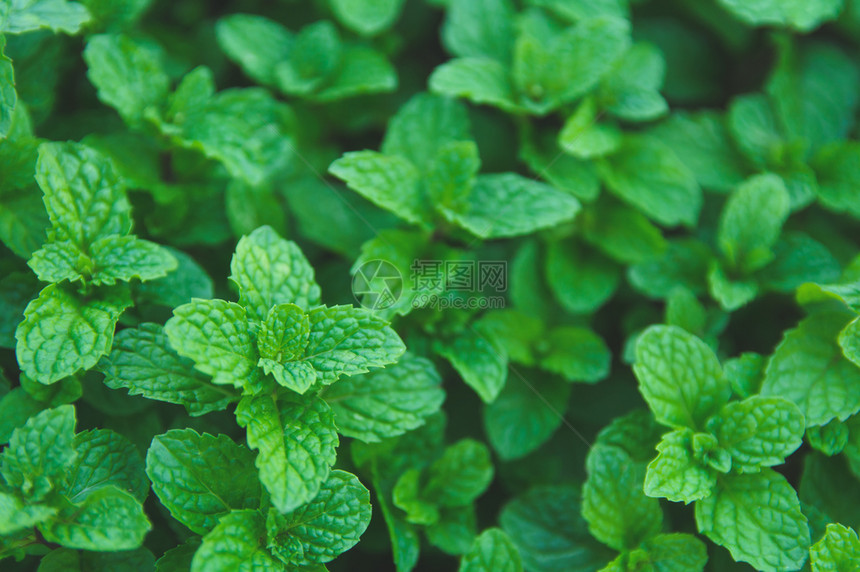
x=236 y=544
x=492 y=551
x=480 y=361
x=28 y=15
x=837 y=551
x=104 y=458
x=675 y=474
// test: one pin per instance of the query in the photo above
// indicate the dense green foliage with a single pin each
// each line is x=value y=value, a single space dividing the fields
x=488 y=285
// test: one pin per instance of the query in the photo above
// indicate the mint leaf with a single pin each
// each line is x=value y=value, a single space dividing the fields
x=15 y=515
x=451 y=174
x=58 y=261
x=584 y=137
x=84 y=196
x=104 y=458
x=758 y=431
x=256 y=43
x=346 y=341
x=189 y=280
x=648 y=175
x=63 y=333
x=577 y=354
x=753 y=125
x=389 y=181
x=296 y=439
x=837 y=551
x=618 y=512
x=702 y=141
x=143 y=361
x=802 y=16
x=546 y=526
x=236 y=543
x=216 y=335
x=676 y=553
x=757 y=518
x=684 y=263
x=321 y=530
x=838 y=176
x=200 y=478
x=107 y=520
x=480 y=80
x=808 y=368
x=482 y=28
x=312 y=61
x=284 y=334
x=675 y=474
x=481 y=362
x=387 y=402
x=366 y=17
x=730 y=293
x=631 y=91
x=28 y=15
x=799 y=259
x=128 y=75
x=492 y=551
x=507 y=204
x=8 y=97
x=679 y=376
x=519 y=420
x=39 y=452
x=751 y=222
x=269 y=270
x=596 y=276
x=621 y=232
x=126 y=257
x=423 y=126
x=460 y=475
x=455 y=531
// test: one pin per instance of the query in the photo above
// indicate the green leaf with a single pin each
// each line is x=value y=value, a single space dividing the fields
x=143 y=362
x=296 y=439
x=679 y=376
x=59 y=15
x=16 y=516
x=406 y=495
x=648 y=175
x=189 y=280
x=389 y=181
x=8 y=96
x=460 y=475
x=837 y=551
x=702 y=142
x=507 y=204
x=684 y=310
x=22 y=220
x=596 y=277
x=636 y=433
x=480 y=80
x=270 y=270
x=39 y=452
x=63 y=333
x=200 y=478
x=346 y=341
x=831 y=439
x=814 y=89
x=450 y=176
x=546 y=526
x=215 y=335
x=584 y=137
x=423 y=126
x=312 y=61
x=455 y=531
x=753 y=125
x=84 y=196
x=483 y=28
x=492 y=551
x=676 y=553
x=480 y=361
x=127 y=257
x=577 y=354
x=128 y=75
x=799 y=259
x=631 y=91
x=803 y=16
x=621 y=232
x=618 y=512
x=367 y=17
x=387 y=402
x=731 y=294
x=758 y=431
x=247 y=130
x=108 y=520
x=519 y=420
x=808 y=368
x=321 y=530
x=250 y=207
x=58 y=261
x=757 y=518
x=683 y=264
x=256 y=43
x=178 y=559
x=284 y=334
x=104 y=458
x=362 y=71
x=751 y=222
x=236 y=544
x=838 y=175
x=675 y=474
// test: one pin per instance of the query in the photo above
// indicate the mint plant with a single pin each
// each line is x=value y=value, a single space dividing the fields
x=476 y=285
